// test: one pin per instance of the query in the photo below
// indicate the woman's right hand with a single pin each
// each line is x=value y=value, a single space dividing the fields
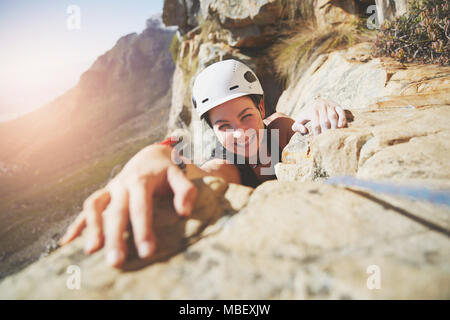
x=129 y=198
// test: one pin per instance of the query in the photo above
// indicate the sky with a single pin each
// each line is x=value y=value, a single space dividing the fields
x=46 y=45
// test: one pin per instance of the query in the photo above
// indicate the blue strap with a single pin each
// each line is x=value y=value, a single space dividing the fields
x=441 y=197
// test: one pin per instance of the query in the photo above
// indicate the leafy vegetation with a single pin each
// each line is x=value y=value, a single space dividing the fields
x=422 y=34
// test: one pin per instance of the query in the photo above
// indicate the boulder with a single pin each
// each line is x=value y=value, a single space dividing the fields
x=328 y=13
x=284 y=240
x=389 y=9
x=397 y=119
x=181 y=13
x=236 y=14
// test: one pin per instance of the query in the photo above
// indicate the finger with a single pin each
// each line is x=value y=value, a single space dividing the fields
x=115 y=223
x=323 y=118
x=299 y=126
x=342 y=119
x=93 y=209
x=332 y=117
x=315 y=122
x=74 y=229
x=185 y=193
x=141 y=213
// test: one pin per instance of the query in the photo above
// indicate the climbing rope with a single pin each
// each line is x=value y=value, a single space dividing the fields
x=441 y=197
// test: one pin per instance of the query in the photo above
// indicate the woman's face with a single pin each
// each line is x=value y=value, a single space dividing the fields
x=237 y=125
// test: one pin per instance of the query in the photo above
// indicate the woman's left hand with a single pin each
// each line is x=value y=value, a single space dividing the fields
x=323 y=114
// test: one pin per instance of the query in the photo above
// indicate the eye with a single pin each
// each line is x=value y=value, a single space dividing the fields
x=246 y=116
x=223 y=126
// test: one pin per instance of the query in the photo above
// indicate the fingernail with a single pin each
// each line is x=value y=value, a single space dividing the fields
x=145 y=249
x=113 y=257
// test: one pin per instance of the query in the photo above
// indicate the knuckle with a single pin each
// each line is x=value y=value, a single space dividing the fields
x=137 y=180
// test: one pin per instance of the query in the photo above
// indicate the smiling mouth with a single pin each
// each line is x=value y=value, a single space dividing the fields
x=247 y=143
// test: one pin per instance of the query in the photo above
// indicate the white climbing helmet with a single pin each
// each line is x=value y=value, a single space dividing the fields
x=223 y=81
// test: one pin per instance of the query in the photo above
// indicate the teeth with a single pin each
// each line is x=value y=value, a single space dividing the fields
x=249 y=141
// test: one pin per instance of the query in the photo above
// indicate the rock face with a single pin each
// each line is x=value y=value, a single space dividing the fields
x=397 y=115
x=388 y=9
x=323 y=242
x=181 y=13
x=332 y=12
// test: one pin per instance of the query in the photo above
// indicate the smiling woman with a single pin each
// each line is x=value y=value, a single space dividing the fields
x=232 y=102
x=224 y=93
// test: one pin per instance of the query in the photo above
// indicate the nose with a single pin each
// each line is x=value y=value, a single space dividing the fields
x=238 y=134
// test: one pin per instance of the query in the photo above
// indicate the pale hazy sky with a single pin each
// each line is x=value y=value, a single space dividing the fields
x=41 y=58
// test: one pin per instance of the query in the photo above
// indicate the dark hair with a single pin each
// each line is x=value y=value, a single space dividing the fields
x=256 y=98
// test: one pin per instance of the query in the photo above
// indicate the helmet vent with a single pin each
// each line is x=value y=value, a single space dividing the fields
x=205 y=100
x=250 y=77
x=234 y=87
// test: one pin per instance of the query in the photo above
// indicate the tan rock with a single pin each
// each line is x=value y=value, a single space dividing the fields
x=388 y=10
x=397 y=127
x=242 y=13
x=331 y=12
x=290 y=240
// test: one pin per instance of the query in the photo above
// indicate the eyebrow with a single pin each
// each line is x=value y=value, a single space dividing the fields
x=240 y=113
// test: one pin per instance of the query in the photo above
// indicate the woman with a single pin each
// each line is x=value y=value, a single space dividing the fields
x=229 y=96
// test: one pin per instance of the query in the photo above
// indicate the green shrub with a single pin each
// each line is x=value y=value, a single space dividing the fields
x=175 y=48
x=422 y=34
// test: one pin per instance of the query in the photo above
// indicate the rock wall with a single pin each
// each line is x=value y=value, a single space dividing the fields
x=398 y=119
x=284 y=240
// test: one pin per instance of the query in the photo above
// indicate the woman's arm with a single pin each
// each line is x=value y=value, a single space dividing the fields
x=128 y=199
x=323 y=115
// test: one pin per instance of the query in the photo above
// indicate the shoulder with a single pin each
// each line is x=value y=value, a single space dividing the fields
x=223 y=169
x=282 y=122
x=278 y=120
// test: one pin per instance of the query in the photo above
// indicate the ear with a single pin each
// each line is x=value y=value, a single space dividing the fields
x=262 y=109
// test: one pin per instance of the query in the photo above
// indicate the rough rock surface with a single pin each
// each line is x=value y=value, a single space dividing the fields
x=242 y=13
x=398 y=119
x=181 y=13
x=389 y=9
x=332 y=12
x=286 y=240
